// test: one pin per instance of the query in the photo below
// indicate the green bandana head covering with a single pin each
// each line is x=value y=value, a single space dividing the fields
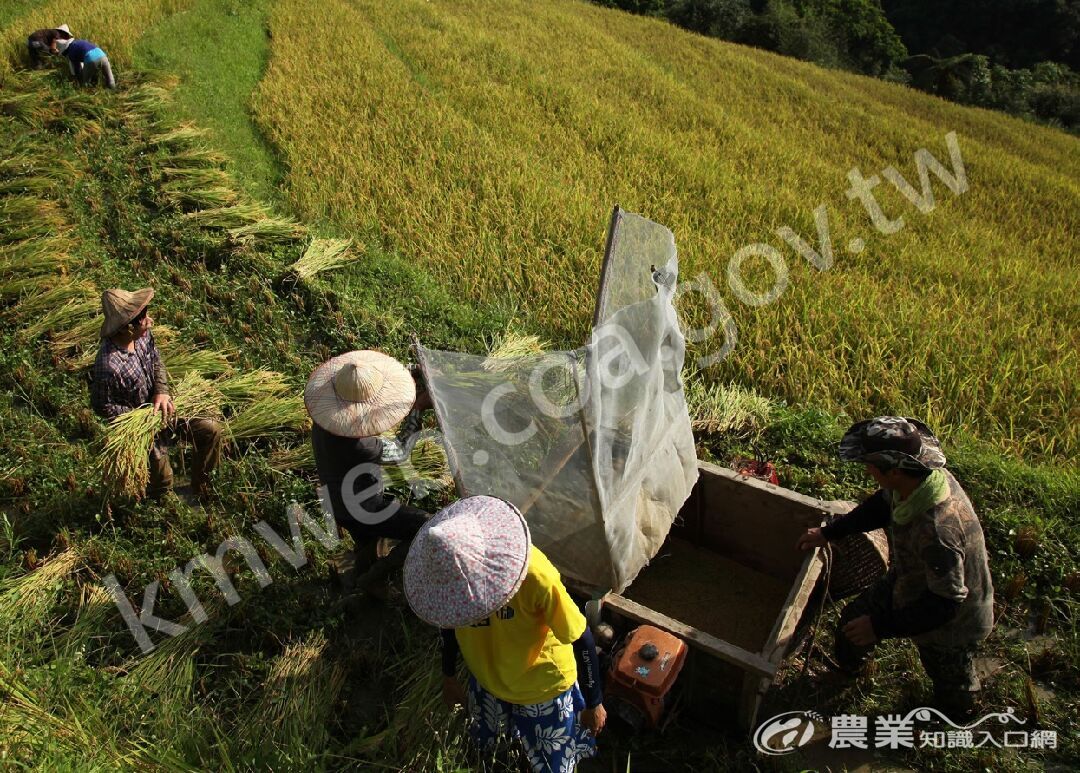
x=932 y=491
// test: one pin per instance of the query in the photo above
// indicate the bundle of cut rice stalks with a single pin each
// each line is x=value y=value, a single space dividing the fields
x=270 y=417
x=252 y=386
x=70 y=315
x=26 y=601
x=297 y=458
x=426 y=471
x=205 y=362
x=269 y=229
x=68 y=732
x=235 y=216
x=728 y=410
x=323 y=255
x=125 y=459
x=96 y=608
x=180 y=195
x=37 y=304
x=197 y=157
x=179 y=137
x=30 y=258
x=420 y=733
x=297 y=698
x=81 y=338
x=508 y=349
x=23 y=184
x=158 y=685
x=27 y=217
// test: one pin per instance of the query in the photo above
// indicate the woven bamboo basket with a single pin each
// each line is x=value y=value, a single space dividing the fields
x=858 y=560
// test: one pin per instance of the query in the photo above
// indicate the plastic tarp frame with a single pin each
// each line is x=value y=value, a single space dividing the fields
x=594 y=445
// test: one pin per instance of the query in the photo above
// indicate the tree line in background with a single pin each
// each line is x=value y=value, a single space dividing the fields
x=1018 y=56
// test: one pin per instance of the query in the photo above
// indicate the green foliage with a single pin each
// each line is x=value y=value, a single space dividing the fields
x=218 y=49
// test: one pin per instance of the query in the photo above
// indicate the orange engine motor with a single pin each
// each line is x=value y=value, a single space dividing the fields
x=642 y=673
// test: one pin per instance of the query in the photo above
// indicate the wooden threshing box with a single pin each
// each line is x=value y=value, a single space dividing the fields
x=731 y=583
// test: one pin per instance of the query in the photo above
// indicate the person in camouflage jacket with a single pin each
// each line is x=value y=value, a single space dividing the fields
x=938 y=590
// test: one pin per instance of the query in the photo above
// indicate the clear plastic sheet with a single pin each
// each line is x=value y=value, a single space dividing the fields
x=593 y=445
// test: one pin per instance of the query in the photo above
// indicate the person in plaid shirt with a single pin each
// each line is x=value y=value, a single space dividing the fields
x=128 y=373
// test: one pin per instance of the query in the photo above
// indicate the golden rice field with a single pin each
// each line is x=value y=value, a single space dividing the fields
x=490 y=146
x=115 y=25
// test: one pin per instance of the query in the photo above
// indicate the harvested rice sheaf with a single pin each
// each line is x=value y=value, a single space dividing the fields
x=270 y=417
x=297 y=696
x=298 y=458
x=25 y=601
x=235 y=216
x=323 y=255
x=125 y=457
x=205 y=362
x=269 y=229
x=511 y=346
x=251 y=386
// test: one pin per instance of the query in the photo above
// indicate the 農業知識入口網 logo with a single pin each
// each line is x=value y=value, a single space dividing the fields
x=786 y=732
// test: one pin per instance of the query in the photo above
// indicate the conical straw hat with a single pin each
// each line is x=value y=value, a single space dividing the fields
x=467 y=562
x=359 y=394
x=121 y=306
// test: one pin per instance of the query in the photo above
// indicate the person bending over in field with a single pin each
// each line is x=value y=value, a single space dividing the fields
x=938 y=590
x=534 y=676
x=128 y=373
x=44 y=42
x=352 y=399
x=86 y=62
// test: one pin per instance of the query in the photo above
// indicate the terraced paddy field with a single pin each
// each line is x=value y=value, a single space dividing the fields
x=472 y=157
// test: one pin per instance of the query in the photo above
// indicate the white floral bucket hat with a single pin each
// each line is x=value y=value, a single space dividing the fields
x=467 y=562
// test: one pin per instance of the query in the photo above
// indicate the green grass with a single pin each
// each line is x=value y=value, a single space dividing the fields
x=219 y=49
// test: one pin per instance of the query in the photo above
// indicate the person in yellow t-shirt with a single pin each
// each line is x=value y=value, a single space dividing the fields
x=473 y=572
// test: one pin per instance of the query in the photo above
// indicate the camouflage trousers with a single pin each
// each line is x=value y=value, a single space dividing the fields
x=950 y=668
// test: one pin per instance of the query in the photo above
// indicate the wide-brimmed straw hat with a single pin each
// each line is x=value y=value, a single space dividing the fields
x=121 y=306
x=892 y=441
x=467 y=562
x=359 y=394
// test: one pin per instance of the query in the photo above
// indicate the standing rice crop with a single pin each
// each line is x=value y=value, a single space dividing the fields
x=124 y=459
x=493 y=149
x=115 y=26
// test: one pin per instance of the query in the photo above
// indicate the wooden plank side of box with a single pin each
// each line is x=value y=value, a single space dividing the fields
x=706 y=642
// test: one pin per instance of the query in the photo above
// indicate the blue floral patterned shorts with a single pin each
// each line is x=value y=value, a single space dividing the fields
x=553 y=738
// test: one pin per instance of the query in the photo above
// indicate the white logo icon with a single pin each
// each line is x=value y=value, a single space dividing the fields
x=786 y=732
